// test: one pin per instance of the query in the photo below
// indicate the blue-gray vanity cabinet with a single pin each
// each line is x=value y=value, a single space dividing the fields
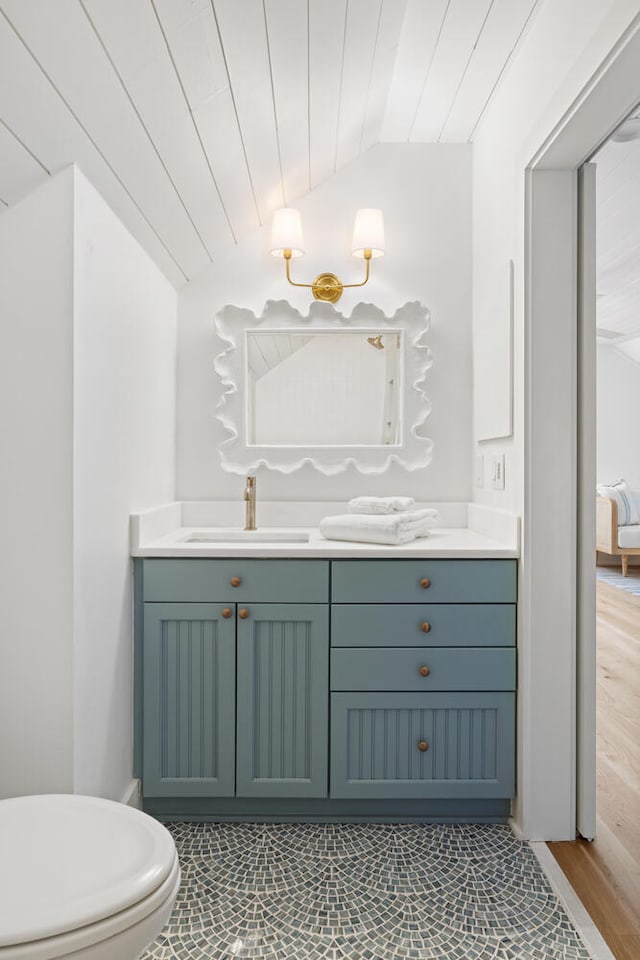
x=317 y=688
x=283 y=677
x=189 y=657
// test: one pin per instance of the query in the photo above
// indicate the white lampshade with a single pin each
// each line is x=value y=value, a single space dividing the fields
x=286 y=233
x=368 y=233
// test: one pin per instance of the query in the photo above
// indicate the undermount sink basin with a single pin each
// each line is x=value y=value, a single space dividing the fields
x=249 y=536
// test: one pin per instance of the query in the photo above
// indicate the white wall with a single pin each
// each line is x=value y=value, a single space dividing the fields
x=36 y=506
x=87 y=360
x=618 y=404
x=124 y=427
x=567 y=42
x=425 y=192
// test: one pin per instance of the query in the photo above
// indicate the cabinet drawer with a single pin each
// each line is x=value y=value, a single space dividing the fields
x=423 y=624
x=409 y=745
x=424 y=669
x=445 y=581
x=261 y=581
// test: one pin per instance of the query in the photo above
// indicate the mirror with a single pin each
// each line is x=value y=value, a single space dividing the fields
x=325 y=389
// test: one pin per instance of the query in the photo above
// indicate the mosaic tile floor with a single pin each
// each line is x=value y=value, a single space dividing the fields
x=363 y=892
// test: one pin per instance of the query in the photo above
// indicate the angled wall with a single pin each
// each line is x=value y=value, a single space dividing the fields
x=124 y=429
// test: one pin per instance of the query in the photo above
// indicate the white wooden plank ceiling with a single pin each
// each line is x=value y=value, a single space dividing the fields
x=195 y=119
x=618 y=245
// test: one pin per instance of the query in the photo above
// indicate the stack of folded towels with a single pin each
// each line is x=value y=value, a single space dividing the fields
x=389 y=520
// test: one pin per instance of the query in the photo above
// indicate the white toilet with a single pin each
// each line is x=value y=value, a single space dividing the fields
x=83 y=878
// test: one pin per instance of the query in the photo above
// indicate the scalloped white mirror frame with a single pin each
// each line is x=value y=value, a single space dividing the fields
x=237 y=456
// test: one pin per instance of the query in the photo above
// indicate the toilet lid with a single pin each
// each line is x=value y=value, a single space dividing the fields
x=68 y=861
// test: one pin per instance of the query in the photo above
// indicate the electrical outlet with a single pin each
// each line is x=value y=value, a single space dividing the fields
x=497 y=471
x=479 y=471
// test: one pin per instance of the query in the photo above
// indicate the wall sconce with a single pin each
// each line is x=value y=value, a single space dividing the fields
x=287 y=242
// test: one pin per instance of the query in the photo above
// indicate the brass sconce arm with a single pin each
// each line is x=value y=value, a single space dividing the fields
x=327 y=286
x=287 y=260
x=367 y=260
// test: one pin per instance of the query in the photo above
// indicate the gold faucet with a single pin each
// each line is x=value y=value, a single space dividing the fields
x=249 y=497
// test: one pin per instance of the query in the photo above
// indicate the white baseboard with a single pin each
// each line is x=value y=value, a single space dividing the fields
x=132 y=796
x=517 y=829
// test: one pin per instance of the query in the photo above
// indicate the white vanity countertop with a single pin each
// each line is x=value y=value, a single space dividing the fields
x=471 y=531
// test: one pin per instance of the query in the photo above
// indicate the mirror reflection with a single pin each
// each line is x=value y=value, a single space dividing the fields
x=323 y=388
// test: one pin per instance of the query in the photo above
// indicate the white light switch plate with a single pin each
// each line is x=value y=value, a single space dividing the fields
x=479 y=471
x=497 y=471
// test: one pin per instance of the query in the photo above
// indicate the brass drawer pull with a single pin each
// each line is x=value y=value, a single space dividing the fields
x=425 y=627
x=227 y=612
x=423 y=746
x=243 y=613
x=235 y=581
x=424 y=670
x=425 y=583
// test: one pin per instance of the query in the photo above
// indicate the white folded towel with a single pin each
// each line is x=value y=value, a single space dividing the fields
x=380 y=504
x=390 y=529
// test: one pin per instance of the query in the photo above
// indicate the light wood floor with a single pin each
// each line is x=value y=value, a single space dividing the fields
x=606 y=873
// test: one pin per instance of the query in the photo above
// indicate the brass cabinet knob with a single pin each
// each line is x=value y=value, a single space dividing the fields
x=227 y=612
x=425 y=627
x=235 y=581
x=423 y=746
x=424 y=670
x=243 y=613
x=425 y=583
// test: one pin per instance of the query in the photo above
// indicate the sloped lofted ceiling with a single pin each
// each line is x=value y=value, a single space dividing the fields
x=196 y=118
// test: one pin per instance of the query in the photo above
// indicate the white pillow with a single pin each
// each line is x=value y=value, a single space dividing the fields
x=627 y=508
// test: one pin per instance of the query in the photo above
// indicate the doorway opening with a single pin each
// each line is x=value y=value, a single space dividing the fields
x=605 y=873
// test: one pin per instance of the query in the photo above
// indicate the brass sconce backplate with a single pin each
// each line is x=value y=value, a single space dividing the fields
x=326 y=286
